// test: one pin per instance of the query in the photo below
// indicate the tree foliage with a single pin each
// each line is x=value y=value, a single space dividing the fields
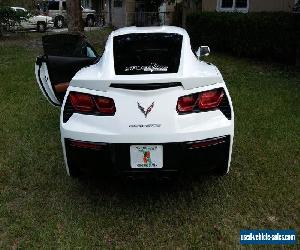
x=9 y=18
x=297 y=6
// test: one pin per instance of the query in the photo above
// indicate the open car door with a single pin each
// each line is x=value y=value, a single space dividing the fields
x=64 y=55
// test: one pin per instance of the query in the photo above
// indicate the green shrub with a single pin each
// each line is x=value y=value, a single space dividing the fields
x=260 y=35
x=9 y=18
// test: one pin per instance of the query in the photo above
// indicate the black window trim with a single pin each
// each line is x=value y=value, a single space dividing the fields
x=233 y=8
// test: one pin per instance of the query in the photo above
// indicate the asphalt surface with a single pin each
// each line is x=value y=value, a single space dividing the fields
x=54 y=30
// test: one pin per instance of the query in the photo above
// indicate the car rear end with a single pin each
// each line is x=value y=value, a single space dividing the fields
x=186 y=138
x=154 y=124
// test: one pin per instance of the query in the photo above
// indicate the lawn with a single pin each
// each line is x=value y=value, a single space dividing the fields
x=40 y=206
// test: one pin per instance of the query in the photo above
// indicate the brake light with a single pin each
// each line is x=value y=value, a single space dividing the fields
x=203 y=101
x=105 y=105
x=85 y=103
x=186 y=103
x=210 y=99
x=82 y=102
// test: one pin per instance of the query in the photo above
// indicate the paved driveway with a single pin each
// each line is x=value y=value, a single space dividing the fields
x=66 y=29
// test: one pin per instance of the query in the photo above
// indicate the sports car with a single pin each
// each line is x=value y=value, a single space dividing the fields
x=149 y=105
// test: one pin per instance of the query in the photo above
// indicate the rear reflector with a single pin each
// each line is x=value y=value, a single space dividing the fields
x=206 y=143
x=87 y=145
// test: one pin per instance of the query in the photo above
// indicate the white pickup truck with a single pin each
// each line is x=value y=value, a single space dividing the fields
x=40 y=23
x=57 y=9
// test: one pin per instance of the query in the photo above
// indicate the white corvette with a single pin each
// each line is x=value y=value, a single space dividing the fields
x=148 y=105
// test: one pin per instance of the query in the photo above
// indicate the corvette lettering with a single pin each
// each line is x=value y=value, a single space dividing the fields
x=152 y=68
x=145 y=126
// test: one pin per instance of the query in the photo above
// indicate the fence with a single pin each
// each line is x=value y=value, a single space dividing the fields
x=148 y=18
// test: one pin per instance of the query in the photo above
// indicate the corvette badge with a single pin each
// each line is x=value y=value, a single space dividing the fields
x=147 y=111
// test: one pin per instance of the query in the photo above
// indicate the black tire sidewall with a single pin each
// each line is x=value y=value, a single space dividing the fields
x=57 y=19
x=88 y=21
x=39 y=25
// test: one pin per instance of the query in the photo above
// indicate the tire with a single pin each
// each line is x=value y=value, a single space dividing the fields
x=59 y=22
x=221 y=170
x=90 y=21
x=41 y=27
x=74 y=170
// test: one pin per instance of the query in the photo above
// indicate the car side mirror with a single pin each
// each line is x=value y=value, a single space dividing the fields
x=202 y=51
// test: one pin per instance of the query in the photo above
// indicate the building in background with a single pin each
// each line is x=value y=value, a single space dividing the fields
x=123 y=12
x=133 y=12
x=246 y=6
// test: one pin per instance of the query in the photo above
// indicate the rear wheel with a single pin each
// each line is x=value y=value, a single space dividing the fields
x=221 y=170
x=74 y=170
x=41 y=27
x=59 y=22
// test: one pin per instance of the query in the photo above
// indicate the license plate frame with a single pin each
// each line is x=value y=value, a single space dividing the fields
x=146 y=156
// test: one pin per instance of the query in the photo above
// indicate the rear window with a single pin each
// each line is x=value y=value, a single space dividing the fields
x=147 y=53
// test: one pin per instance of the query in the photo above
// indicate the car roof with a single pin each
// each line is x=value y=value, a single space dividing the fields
x=18 y=8
x=153 y=29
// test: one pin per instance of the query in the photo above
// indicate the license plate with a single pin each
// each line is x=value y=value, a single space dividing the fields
x=146 y=156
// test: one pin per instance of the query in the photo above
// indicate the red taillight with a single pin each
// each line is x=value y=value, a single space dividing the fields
x=210 y=99
x=85 y=103
x=105 y=105
x=82 y=102
x=186 y=103
x=200 y=101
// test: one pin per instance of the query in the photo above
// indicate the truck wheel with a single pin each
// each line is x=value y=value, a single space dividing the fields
x=59 y=22
x=41 y=27
x=90 y=21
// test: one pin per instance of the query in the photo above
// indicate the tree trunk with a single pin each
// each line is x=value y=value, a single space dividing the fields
x=185 y=4
x=75 y=22
x=110 y=12
x=189 y=6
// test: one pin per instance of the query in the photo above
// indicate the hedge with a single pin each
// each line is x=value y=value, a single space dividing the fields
x=261 y=35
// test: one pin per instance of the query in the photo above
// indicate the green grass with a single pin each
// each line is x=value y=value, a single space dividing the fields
x=41 y=207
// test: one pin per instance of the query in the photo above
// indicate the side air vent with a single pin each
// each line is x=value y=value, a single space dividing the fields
x=148 y=86
x=225 y=107
x=68 y=110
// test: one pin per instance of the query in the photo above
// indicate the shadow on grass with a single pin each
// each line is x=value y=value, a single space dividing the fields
x=138 y=192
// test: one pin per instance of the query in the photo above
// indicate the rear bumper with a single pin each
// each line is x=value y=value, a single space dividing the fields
x=199 y=156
